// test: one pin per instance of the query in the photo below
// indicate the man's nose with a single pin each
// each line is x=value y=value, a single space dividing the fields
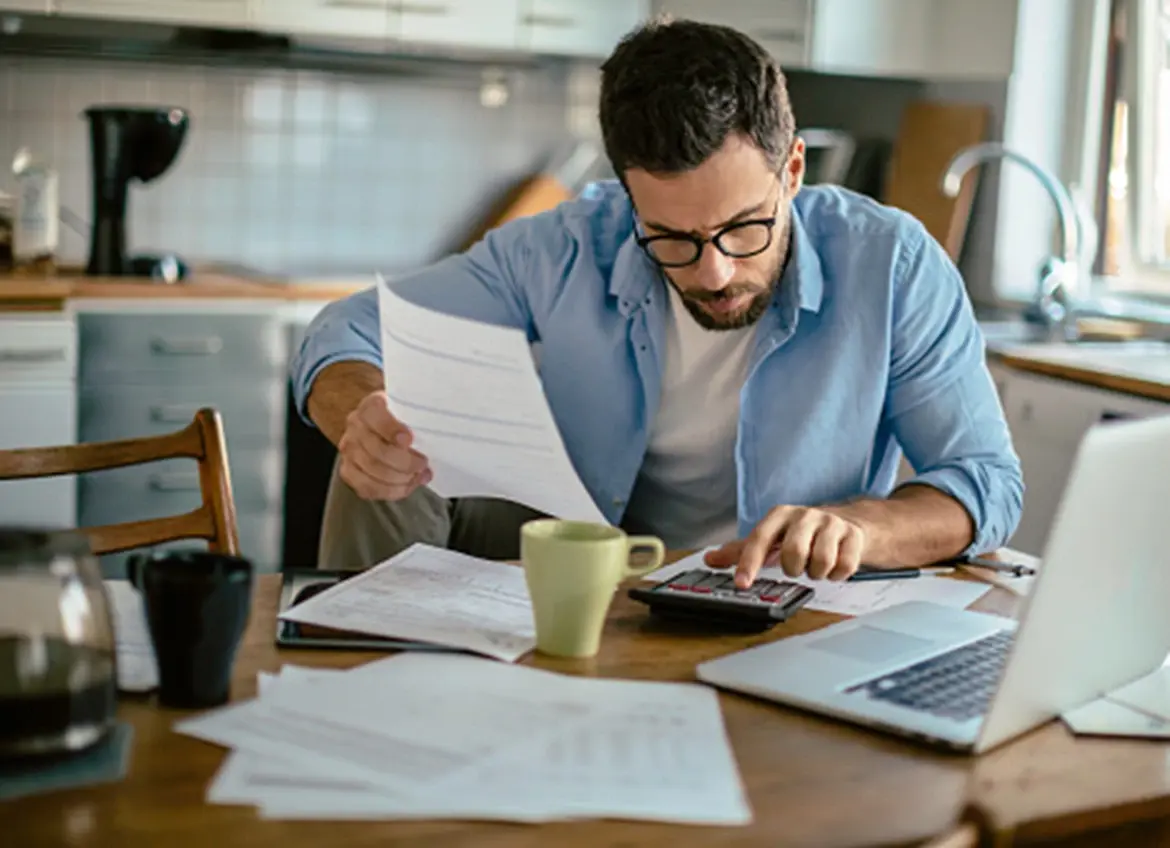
x=714 y=271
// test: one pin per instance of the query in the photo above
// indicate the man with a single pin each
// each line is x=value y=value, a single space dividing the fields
x=732 y=359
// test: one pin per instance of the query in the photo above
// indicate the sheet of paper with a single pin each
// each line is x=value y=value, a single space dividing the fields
x=398 y=724
x=658 y=751
x=1140 y=708
x=430 y=594
x=137 y=667
x=471 y=395
x=845 y=598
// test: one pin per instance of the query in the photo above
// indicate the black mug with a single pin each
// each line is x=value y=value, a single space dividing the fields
x=197 y=606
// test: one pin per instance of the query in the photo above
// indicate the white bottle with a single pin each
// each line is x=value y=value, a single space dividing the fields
x=35 y=228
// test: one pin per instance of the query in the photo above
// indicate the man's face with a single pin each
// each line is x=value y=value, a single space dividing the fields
x=733 y=186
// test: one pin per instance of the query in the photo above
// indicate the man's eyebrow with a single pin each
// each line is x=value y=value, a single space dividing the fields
x=734 y=219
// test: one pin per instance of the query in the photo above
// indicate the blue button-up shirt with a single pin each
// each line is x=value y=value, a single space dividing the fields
x=870 y=349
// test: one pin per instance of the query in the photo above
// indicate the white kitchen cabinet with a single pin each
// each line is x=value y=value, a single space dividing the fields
x=360 y=20
x=588 y=28
x=38 y=408
x=207 y=13
x=783 y=27
x=924 y=39
x=24 y=5
x=877 y=37
x=489 y=24
x=1048 y=418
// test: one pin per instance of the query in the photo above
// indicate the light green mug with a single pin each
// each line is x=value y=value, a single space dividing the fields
x=573 y=569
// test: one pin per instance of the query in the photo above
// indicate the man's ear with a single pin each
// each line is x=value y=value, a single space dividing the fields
x=794 y=168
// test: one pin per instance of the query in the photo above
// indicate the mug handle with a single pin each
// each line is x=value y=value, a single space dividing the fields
x=655 y=544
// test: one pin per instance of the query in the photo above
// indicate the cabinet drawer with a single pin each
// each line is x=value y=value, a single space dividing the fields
x=158 y=349
x=37 y=350
x=259 y=542
x=252 y=417
x=1060 y=411
x=172 y=488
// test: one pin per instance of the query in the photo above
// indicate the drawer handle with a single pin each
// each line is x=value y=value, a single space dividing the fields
x=791 y=36
x=366 y=5
x=174 y=483
x=34 y=355
x=173 y=414
x=560 y=21
x=436 y=9
x=187 y=347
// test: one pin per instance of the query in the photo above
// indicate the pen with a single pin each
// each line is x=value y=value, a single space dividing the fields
x=866 y=573
x=1015 y=569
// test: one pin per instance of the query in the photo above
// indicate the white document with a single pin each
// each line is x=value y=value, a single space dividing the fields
x=635 y=750
x=1140 y=708
x=846 y=598
x=137 y=667
x=430 y=594
x=472 y=397
x=398 y=724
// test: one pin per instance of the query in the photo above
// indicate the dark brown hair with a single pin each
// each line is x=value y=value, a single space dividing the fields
x=672 y=92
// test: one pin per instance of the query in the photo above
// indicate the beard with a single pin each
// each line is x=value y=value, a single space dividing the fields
x=748 y=315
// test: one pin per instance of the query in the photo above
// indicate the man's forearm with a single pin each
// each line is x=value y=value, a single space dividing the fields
x=337 y=391
x=916 y=525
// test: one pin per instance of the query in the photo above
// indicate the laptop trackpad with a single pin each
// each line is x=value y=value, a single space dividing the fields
x=870 y=644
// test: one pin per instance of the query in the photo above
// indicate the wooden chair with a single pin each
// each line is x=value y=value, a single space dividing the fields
x=201 y=440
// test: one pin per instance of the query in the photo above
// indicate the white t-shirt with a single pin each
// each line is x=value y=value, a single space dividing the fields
x=686 y=489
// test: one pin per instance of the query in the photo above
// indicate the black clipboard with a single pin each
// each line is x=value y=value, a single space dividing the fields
x=300 y=584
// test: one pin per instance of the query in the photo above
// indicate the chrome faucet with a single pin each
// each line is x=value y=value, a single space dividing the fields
x=1053 y=300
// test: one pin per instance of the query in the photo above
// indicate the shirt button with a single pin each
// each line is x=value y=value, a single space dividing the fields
x=618 y=502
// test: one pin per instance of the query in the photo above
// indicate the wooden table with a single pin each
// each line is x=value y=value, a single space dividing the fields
x=811 y=781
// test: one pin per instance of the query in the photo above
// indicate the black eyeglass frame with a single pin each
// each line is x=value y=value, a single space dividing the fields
x=700 y=242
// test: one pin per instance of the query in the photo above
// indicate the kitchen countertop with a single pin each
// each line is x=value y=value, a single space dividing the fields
x=1140 y=368
x=28 y=291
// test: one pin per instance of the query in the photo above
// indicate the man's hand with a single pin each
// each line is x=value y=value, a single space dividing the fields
x=377 y=460
x=803 y=540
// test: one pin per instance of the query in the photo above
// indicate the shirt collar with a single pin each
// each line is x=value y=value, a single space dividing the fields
x=803 y=279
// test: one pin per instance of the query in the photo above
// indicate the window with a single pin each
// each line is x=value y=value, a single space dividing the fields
x=1133 y=197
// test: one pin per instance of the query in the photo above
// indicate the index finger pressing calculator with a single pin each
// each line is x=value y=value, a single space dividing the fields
x=711 y=597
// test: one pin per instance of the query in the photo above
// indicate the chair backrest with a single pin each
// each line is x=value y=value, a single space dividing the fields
x=201 y=440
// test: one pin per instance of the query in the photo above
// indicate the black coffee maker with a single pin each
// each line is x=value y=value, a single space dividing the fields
x=128 y=143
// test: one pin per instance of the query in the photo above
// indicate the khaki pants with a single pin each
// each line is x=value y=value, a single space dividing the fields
x=356 y=533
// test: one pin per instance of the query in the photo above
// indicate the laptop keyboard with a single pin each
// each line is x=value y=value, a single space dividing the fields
x=956 y=685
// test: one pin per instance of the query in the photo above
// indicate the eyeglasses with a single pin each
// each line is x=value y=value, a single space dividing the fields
x=739 y=241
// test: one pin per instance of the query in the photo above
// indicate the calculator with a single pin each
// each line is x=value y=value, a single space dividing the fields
x=711 y=597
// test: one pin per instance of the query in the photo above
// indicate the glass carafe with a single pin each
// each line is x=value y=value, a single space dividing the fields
x=58 y=682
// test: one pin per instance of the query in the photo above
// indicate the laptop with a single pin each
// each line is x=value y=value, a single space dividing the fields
x=1094 y=620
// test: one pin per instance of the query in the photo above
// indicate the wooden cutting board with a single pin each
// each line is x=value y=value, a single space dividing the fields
x=930 y=134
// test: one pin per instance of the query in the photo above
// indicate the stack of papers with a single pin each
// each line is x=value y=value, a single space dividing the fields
x=429 y=594
x=845 y=598
x=431 y=735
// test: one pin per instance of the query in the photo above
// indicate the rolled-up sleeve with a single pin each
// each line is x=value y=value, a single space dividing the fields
x=481 y=284
x=942 y=401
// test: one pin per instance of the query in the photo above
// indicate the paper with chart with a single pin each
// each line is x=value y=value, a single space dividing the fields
x=472 y=397
x=846 y=598
x=528 y=745
x=429 y=594
x=137 y=667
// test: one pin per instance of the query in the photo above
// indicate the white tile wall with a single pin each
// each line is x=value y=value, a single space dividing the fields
x=294 y=171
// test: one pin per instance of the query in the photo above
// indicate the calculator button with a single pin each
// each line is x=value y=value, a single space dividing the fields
x=686 y=579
